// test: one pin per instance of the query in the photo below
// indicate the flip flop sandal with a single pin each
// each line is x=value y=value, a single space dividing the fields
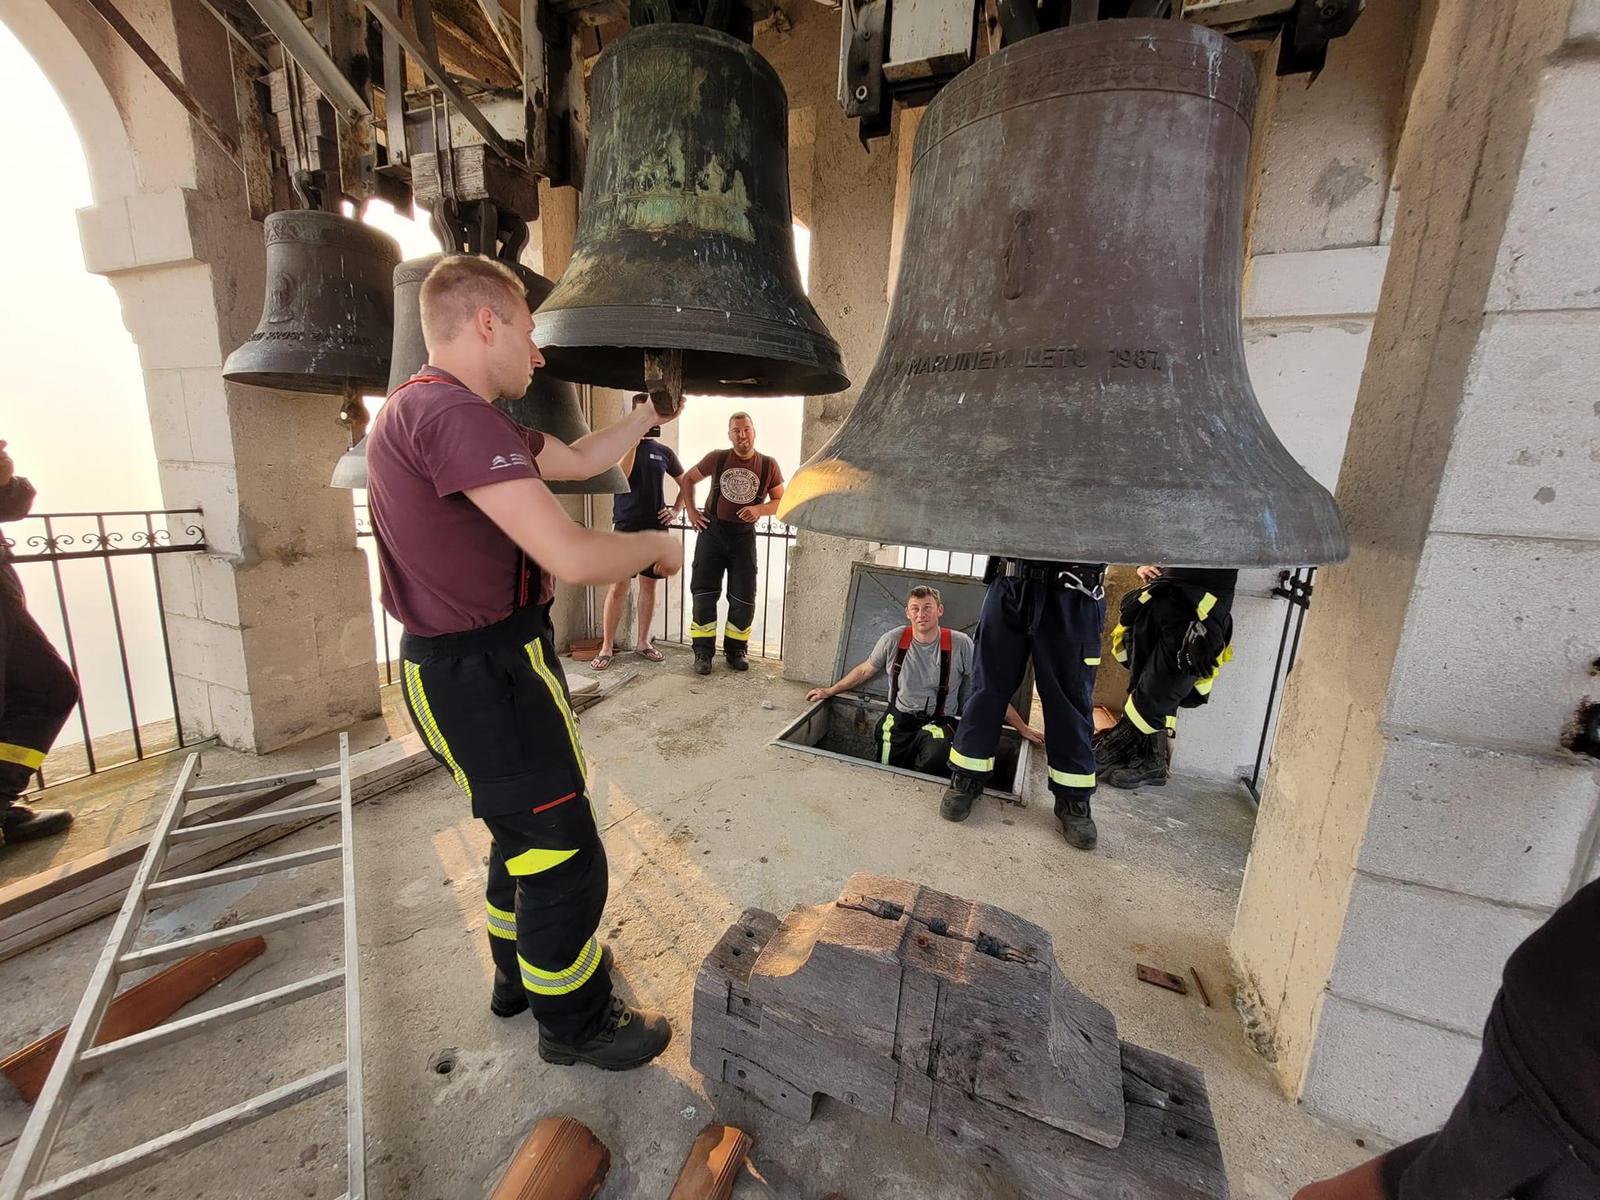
x=601 y=661
x=651 y=654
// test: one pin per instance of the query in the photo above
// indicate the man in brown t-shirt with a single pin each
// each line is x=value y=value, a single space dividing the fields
x=745 y=486
x=468 y=538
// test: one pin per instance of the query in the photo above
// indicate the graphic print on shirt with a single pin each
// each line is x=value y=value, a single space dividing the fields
x=740 y=485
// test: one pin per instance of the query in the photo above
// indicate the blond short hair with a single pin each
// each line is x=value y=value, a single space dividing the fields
x=740 y=416
x=458 y=286
x=923 y=592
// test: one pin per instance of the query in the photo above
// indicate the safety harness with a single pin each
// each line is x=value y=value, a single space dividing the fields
x=900 y=653
x=716 y=483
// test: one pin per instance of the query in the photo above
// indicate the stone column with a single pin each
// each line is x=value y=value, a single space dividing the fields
x=1422 y=817
x=1323 y=155
x=272 y=640
x=846 y=198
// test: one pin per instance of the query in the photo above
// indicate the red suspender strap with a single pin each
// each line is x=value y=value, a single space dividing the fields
x=894 y=665
x=945 y=642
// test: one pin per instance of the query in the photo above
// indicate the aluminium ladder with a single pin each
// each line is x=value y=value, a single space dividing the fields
x=78 y=1053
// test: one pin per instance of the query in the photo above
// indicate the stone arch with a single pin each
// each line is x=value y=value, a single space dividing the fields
x=277 y=611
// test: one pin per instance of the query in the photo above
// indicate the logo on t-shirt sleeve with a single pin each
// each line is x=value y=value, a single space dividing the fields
x=501 y=461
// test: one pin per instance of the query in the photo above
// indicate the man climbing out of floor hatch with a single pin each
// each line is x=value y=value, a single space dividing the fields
x=745 y=486
x=37 y=689
x=1528 y=1123
x=1173 y=634
x=930 y=679
x=468 y=540
x=1051 y=612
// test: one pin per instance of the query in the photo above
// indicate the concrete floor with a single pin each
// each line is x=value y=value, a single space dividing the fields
x=702 y=818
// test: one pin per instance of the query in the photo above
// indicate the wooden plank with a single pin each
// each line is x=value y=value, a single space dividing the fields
x=712 y=1168
x=560 y=1159
x=69 y=897
x=255 y=144
x=142 y=1006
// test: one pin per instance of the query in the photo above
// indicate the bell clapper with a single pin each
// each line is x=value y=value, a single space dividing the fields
x=663 y=380
x=353 y=415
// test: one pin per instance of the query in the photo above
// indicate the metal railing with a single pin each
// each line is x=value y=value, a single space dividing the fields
x=57 y=554
x=774 y=543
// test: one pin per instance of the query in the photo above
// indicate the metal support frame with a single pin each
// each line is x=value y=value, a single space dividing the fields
x=78 y=1054
x=302 y=46
x=389 y=17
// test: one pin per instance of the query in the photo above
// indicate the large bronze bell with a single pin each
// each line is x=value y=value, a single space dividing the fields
x=1062 y=372
x=685 y=240
x=549 y=405
x=329 y=313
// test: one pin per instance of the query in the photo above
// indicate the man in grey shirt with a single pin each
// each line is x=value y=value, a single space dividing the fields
x=930 y=677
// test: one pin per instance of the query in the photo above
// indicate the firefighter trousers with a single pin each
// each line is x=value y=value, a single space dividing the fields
x=1152 y=632
x=915 y=741
x=37 y=691
x=723 y=548
x=1059 y=628
x=492 y=706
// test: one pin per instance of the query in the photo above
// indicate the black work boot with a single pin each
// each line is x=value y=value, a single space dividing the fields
x=738 y=656
x=629 y=1038
x=1077 y=822
x=19 y=823
x=1145 y=767
x=959 y=796
x=1113 y=747
x=509 y=997
x=702 y=659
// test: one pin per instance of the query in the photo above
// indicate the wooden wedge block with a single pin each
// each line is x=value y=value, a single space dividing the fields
x=713 y=1165
x=560 y=1159
x=143 y=1006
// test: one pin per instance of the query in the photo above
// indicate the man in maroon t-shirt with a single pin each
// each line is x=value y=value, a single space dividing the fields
x=468 y=538
x=745 y=486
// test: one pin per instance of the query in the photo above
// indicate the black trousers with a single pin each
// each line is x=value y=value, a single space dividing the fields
x=37 y=691
x=723 y=548
x=1156 y=619
x=492 y=706
x=914 y=741
x=1059 y=629
x=1494 y=1145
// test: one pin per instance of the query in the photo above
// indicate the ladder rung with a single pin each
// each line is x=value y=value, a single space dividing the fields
x=108 y=1170
x=284 y=862
x=190 y=833
x=167 y=951
x=173 y=1031
x=257 y=785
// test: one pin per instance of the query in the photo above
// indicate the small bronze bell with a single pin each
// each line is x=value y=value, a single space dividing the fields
x=329 y=314
x=1062 y=373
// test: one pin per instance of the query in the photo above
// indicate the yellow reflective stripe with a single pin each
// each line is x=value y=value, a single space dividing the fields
x=411 y=678
x=1144 y=597
x=32 y=759
x=501 y=923
x=531 y=862
x=1133 y=715
x=1071 y=779
x=1092 y=662
x=1207 y=603
x=1119 y=637
x=738 y=635
x=934 y=731
x=1203 y=686
x=888 y=728
x=1172 y=721
x=535 y=651
x=696 y=630
x=976 y=765
x=560 y=983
